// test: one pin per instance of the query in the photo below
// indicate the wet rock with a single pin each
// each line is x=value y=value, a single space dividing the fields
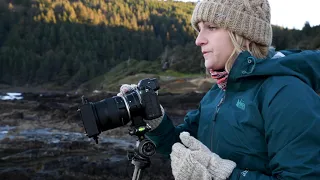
x=16 y=143
x=46 y=175
x=16 y=173
x=47 y=106
x=15 y=115
x=43 y=138
x=32 y=154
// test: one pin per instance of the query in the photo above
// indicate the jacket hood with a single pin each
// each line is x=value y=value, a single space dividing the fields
x=304 y=65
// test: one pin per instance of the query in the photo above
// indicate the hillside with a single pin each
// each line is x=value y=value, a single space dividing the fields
x=64 y=44
x=134 y=71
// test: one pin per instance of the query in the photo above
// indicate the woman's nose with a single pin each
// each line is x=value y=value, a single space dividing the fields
x=201 y=40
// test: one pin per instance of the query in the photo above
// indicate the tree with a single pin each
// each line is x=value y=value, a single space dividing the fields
x=70 y=42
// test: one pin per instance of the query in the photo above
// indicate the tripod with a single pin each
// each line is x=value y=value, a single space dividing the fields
x=144 y=148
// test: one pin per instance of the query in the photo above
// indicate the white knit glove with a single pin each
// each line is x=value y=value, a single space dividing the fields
x=193 y=160
x=154 y=123
x=126 y=88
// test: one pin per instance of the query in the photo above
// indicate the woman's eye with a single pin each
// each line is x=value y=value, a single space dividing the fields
x=212 y=27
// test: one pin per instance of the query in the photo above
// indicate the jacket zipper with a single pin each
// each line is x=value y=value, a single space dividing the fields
x=215 y=116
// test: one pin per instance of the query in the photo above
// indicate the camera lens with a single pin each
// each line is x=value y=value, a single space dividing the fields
x=147 y=148
x=111 y=113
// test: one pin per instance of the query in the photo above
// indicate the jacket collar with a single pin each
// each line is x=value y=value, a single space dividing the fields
x=248 y=70
x=244 y=66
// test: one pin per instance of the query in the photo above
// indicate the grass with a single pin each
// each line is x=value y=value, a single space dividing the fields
x=131 y=73
x=124 y=73
x=179 y=74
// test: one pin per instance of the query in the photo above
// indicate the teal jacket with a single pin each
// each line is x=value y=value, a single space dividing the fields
x=267 y=120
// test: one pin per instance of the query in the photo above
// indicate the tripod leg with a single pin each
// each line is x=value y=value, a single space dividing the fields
x=137 y=173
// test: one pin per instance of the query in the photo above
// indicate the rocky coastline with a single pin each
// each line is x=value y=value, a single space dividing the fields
x=42 y=137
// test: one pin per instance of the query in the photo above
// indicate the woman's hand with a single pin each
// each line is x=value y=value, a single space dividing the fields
x=125 y=88
x=193 y=160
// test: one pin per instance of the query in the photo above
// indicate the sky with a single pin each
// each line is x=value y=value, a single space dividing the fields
x=293 y=13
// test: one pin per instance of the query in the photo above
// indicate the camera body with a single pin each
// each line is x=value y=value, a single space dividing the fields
x=135 y=106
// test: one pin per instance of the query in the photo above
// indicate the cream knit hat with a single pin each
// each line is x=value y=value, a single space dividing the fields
x=248 y=18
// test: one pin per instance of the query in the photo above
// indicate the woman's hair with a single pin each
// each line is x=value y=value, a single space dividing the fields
x=241 y=44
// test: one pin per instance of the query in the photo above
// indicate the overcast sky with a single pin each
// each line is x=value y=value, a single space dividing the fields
x=293 y=13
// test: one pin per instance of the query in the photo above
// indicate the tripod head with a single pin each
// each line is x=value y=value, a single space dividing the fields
x=144 y=149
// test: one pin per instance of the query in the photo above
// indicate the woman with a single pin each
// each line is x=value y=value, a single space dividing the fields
x=262 y=119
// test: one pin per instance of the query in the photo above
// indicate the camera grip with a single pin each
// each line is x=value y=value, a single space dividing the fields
x=151 y=105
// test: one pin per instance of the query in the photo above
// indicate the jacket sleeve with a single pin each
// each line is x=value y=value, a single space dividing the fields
x=292 y=134
x=165 y=135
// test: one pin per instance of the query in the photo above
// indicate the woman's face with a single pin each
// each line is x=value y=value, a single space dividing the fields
x=216 y=45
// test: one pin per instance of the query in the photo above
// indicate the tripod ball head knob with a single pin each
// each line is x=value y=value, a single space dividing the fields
x=146 y=148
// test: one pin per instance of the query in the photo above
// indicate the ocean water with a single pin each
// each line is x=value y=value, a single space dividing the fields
x=11 y=96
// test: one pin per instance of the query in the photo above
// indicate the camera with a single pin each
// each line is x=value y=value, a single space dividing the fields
x=137 y=105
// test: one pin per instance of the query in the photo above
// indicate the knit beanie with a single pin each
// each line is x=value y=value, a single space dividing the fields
x=248 y=18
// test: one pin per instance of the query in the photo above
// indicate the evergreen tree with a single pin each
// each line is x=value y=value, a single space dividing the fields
x=70 y=42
